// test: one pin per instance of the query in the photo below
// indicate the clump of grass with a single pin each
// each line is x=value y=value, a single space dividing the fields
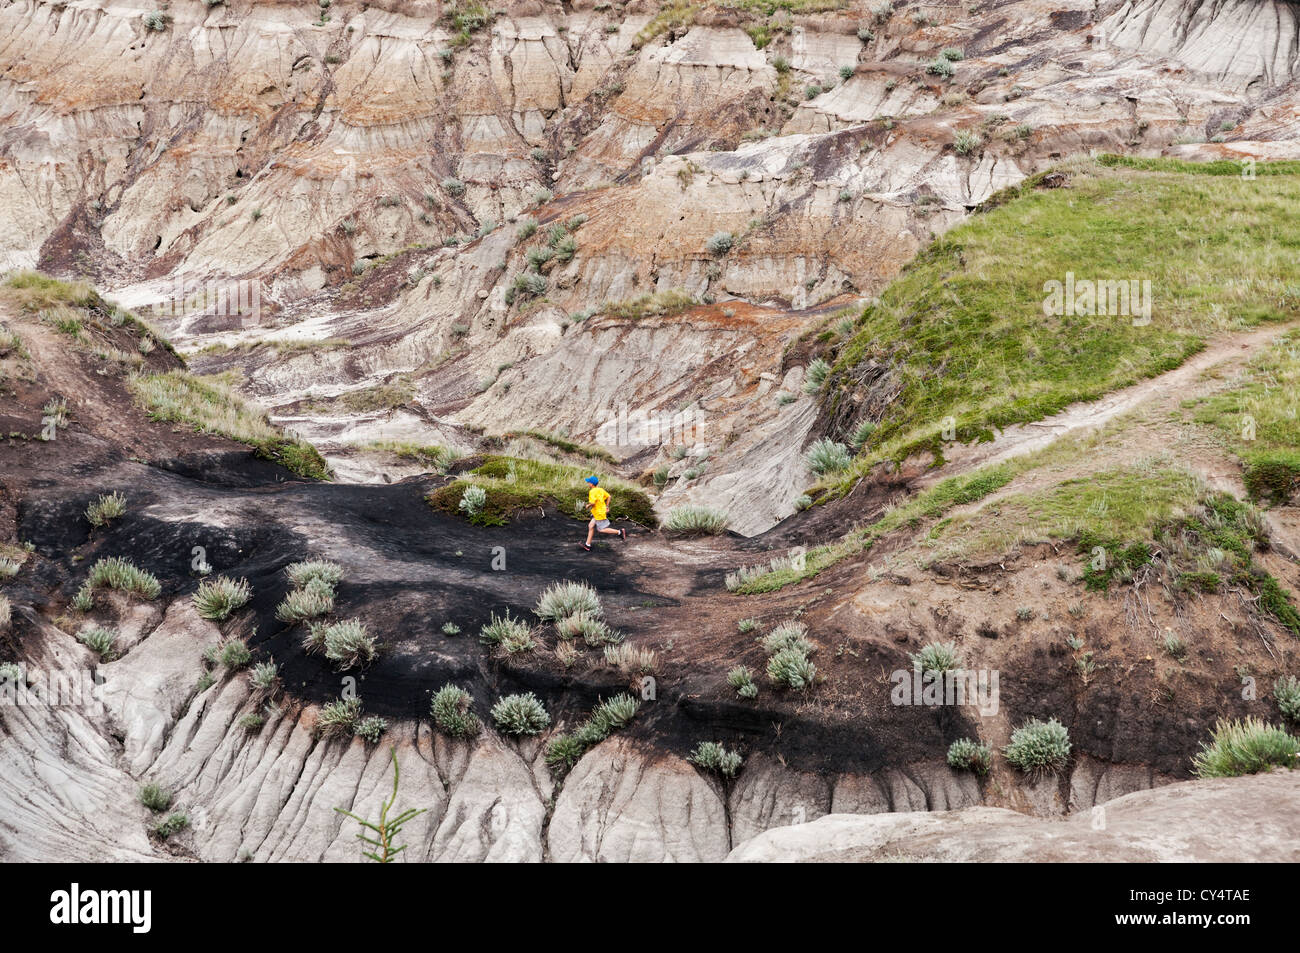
x=937 y=657
x=313 y=600
x=966 y=142
x=301 y=574
x=818 y=370
x=697 y=520
x=941 y=67
x=660 y=304
x=453 y=713
x=712 y=756
x=1286 y=691
x=370 y=728
x=264 y=680
x=826 y=456
x=720 y=243
x=156 y=798
x=109 y=506
x=114 y=572
x=173 y=825
x=504 y=629
x=1245 y=747
x=787 y=635
x=967 y=755
x=338 y=717
x=742 y=680
x=592 y=630
x=792 y=669
x=210 y=405
x=216 y=599
x=563 y=599
x=632 y=660
x=606 y=718
x=450 y=628
x=345 y=643
x=747 y=625
x=521 y=714
x=1039 y=746
x=234 y=654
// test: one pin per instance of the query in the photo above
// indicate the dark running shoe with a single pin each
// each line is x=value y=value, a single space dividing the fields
x=585 y=546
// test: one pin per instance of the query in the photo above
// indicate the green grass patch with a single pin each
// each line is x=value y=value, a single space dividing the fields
x=512 y=484
x=210 y=405
x=963 y=329
x=1259 y=415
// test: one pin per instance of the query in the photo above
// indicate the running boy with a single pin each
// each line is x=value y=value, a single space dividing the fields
x=598 y=503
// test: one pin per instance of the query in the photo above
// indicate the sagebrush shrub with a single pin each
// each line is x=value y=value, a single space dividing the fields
x=500 y=629
x=114 y=572
x=346 y=643
x=452 y=712
x=792 y=668
x=563 y=599
x=742 y=680
x=827 y=456
x=99 y=640
x=472 y=500
x=338 y=717
x=309 y=570
x=785 y=636
x=521 y=714
x=967 y=755
x=702 y=520
x=712 y=756
x=1245 y=747
x=1039 y=746
x=629 y=659
x=371 y=728
x=216 y=598
x=1286 y=690
x=234 y=654
x=720 y=243
x=815 y=376
x=313 y=600
x=108 y=506
x=937 y=657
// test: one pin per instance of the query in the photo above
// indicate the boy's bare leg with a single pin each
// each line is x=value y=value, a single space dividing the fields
x=591 y=528
x=610 y=529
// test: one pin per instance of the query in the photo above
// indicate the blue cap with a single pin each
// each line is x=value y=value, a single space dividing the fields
x=592 y=480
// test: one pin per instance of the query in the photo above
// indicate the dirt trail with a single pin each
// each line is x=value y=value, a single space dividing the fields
x=1021 y=439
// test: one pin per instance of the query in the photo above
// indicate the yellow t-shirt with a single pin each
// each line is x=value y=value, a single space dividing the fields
x=598 y=499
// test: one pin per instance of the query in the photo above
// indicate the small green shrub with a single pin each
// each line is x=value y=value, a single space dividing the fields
x=1039 y=746
x=264 y=679
x=815 y=376
x=314 y=600
x=99 y=640
x=1245 y=747
x=371 y=728
x=720 y=243
x=787 y=635
x=450 y=628
x=563 y=599
x=965 y=143
x=452 y=712
x=521 y=714
x=952 y=54
x=967 y=755
x=114 y=572
x=234 y=654
x=1286 y=690
x=155 y=798
x=453 y=187
x=631 y=659
x=301 y=574
x=827 y=456
x=216 y=599
x=937 y=657
x=472 y=500
x=174 y=824
x=941 y=67
x=109 y=506
x=791 y=668
x=747 y=625
x=742 y=680
x=502 y=629
x=338 y=717
x=345 y=643
x=712 y=756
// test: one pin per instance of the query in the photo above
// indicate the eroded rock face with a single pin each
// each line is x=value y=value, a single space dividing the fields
x=1192 y=821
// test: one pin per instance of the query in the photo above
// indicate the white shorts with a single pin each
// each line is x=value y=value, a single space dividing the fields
x=602 y=524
